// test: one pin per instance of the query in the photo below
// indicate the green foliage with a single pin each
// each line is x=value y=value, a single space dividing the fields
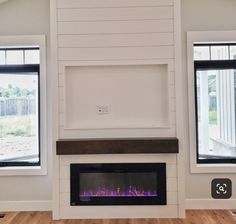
x=18 y=132
x=15 y=92
x=24 y=92
x=6 y=93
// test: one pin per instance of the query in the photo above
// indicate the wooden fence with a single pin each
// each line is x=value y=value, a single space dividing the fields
x=17 y=106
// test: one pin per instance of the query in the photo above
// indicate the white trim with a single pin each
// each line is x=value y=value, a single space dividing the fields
x=54 y=110
x=180 y=127
x=194 y=37
x=212 y=168
x=29 y=40
x=210 y=203
x=12 y=206
x=118 y=212
x=23 y=171
x=170 y=63
x=109 y=127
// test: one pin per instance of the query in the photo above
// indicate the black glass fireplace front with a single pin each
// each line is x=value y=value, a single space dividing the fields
x=118 y=184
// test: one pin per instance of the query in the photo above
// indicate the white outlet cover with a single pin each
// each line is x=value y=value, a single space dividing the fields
x=102 y=109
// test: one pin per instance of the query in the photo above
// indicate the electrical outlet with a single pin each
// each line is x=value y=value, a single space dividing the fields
x=102 y=109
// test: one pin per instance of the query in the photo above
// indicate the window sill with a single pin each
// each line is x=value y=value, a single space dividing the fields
x=23 y=171
x=213 y=168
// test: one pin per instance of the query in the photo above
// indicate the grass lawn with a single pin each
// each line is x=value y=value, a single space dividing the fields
x=17 y=125
x=18 y=136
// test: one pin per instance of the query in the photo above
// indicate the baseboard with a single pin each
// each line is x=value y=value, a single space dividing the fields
x=210 y=203
x=47 y=205
x=8 y=206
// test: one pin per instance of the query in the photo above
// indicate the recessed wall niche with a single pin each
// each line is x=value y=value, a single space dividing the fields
x=119 y=96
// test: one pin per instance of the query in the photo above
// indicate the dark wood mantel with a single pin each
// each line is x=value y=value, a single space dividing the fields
x=117 y=146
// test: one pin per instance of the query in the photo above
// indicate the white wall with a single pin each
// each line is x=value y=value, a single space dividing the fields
x=26 y=17
x=204 y=15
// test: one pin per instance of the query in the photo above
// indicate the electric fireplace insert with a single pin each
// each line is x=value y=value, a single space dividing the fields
x=118 y=184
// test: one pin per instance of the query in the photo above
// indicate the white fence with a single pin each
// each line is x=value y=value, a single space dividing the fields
x=17 y=106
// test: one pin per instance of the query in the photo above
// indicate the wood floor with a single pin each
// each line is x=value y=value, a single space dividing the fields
x=193 y=217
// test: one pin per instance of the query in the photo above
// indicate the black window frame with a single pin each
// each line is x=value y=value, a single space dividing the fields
x=210 y=45
x=17 y=69
x=202 y=65
x=23 y=49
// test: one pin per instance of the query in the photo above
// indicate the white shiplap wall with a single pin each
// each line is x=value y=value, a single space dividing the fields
x=116 y=32
x=123 y=32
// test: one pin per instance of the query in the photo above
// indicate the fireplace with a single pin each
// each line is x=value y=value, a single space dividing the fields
x=118 y=184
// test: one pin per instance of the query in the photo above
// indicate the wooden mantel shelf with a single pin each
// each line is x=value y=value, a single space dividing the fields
x=117 y=146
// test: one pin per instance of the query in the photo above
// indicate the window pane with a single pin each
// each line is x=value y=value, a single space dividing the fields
x=32 y=57
x=15 y=57
x=201 y=53
x=216 y=110
x=233 y=52
x=219 y=53
x=19 y=135
x=2 y=58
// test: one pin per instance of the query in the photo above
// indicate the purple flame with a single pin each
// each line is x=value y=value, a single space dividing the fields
x=118 y=192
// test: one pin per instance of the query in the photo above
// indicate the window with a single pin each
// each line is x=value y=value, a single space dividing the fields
x=215 y=100
x=212 y=101
x=19 y=108
x=22 y=105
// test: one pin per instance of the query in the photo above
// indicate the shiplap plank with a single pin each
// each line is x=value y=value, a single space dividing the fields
x=119 y=212
x=109 y=3
x=113 y=27
x=101 y=14
x=65 y=160
x=115 y=53
x=116 y=40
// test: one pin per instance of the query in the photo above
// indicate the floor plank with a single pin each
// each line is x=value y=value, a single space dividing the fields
x=192 y=217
